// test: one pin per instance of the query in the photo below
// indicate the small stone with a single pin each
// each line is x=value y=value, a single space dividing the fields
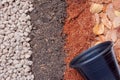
x=1 y=40
x=21 y=11
x=15 y=61
x=27 y=69
x=28 y=23
x=25 y=33
x=28 y=17
x=28 y=62
x=11 y=35
x=2 y=32
x=2 y=74
x=13 y=18
x=14 y=75
x=2 y=46
x=22 y=56
x=5 y=51
x=18 y=65
x=27 y=39
x=31 y=8
x=10 y=61
x=1 y=5
x=2 y=26
x=8 y=78
x=27 y=56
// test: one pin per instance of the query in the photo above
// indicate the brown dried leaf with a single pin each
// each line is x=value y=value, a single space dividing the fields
x=117 y=53
x=108 y=36
x=102 y=38
x=118 y=32
x=117 y=13
x=110 y=12
x=117 y=44
x=98 y=29
x=104 y=8
x=114 y=35
x=106 y=21
x=116 y=4
x=96 y=8
x=116 y=22
x=97 y=18
x=101 y=1
x=111 y=35
x=98 y=42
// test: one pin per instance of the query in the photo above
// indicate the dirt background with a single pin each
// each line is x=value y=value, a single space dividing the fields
x=47 y=40
x=78 y=28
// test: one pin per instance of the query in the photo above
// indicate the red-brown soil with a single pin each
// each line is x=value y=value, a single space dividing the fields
x=78 y=28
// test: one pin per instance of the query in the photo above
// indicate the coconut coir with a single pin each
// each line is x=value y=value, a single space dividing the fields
x=78 y=28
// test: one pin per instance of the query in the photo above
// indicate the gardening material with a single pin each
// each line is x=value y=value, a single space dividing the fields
x=15 y=50
x=109 y=17
x=83 y=16
x=78 y=28
x=46 y=39
x=97 y=63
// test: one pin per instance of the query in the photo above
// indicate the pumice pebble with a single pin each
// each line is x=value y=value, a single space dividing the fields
x=15 y=26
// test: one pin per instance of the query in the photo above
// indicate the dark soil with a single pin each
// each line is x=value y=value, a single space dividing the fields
x=46 y=39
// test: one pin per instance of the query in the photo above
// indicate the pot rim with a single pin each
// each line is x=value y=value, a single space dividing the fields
x=74 y=62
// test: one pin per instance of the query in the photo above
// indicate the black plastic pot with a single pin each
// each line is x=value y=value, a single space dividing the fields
x=97 y=63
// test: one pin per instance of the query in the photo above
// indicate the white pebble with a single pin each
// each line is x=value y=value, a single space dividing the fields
x=2 y=26
x=2 y=46
x=2 y=32
x=8 y=78
x=27 y=55
x=15 y=61
x=27 y=39
x=15 y=27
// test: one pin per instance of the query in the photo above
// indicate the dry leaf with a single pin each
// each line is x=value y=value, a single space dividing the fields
x=118 y=32
x=110 y=12
x=96 y=8
x=108 y=36
x=111 y=35
x=116 y=4
x=106 y=21
x=97 y=18
x=102 y=38
x=104 y=8
x=117 y=53
x=98 y=29
x=117 y=13
x=101 y=1
x=98 y=42
x=116 y=22
x=117 y=44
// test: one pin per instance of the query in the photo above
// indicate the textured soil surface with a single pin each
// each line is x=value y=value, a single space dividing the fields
x=46 y=39
x=78 y=28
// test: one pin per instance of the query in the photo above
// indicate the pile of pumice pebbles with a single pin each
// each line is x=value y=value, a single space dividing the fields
x=15 y=49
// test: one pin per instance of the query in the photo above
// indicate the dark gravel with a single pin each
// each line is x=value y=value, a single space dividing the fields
x=47 y=40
